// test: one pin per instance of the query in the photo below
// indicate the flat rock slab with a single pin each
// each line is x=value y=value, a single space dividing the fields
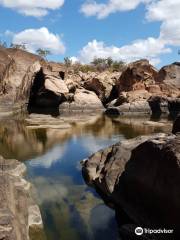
x=18 y=214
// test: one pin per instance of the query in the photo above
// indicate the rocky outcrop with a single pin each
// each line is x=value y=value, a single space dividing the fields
x=19 y=217
x=167 y=105
x=82 y=100
x=168 y=79
x=137 y=76
x=139 y=178
x=28 y=80
x=103 y=85
x=170 y=75
x=14 y=66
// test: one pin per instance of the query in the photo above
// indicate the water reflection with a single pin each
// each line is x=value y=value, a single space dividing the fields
x=38 y=135
x=52 y=149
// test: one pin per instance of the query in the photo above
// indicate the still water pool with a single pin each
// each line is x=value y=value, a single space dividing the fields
x=52 y=150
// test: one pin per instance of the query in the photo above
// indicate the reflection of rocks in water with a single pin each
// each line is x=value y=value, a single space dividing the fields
x=38 y=134
x=71 y=211
x=102 y=222
x=17 y=142
x=133 y=127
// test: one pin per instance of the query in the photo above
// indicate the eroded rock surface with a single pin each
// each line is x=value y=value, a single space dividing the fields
x=18 y=214
x=137 y=76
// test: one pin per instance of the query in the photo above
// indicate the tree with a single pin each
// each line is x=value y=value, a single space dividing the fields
x=100 y=64
x=118 y=65
x=67 y=61
x=98 y=61
x=43 y=52
x=109 y=61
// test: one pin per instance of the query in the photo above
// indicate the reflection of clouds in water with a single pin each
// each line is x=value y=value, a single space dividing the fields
x=49 y=158
x=93 y=145
x=47 y=191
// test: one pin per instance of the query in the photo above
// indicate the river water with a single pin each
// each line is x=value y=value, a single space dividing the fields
x=52 y=150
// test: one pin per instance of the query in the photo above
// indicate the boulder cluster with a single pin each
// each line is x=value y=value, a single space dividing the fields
x=140 y=179
x=28 y=79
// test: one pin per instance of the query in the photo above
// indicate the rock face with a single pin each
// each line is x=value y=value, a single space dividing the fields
x=14 y=64
x=137 y=76
x=103 y=168
x=170 y=75
x=18 y=214
x=139 y=179
x=102 y=84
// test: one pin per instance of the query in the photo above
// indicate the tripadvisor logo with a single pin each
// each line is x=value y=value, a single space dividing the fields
x=139 y=231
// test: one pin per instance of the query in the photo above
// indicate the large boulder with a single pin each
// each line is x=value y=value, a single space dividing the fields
x=136 y=107
x=137 y=76
x=168 y=79
x=48 y=89
x=140 y=179
x=170 y=75
x=42 y=86
x=82 y=100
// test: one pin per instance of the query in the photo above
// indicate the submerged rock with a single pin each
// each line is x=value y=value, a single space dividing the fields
x=18 y=214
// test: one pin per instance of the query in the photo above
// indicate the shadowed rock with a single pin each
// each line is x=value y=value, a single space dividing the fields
x=140 y=179
x=176 y=126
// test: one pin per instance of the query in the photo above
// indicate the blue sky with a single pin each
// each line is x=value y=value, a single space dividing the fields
x=86 y=29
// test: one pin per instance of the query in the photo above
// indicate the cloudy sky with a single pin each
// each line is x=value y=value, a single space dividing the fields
x=83 y=29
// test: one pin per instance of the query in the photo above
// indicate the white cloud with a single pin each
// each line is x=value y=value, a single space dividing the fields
x=40 y=38
x=149 y=48
x=35 y=8
x=165 y=11
x=102 y=10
